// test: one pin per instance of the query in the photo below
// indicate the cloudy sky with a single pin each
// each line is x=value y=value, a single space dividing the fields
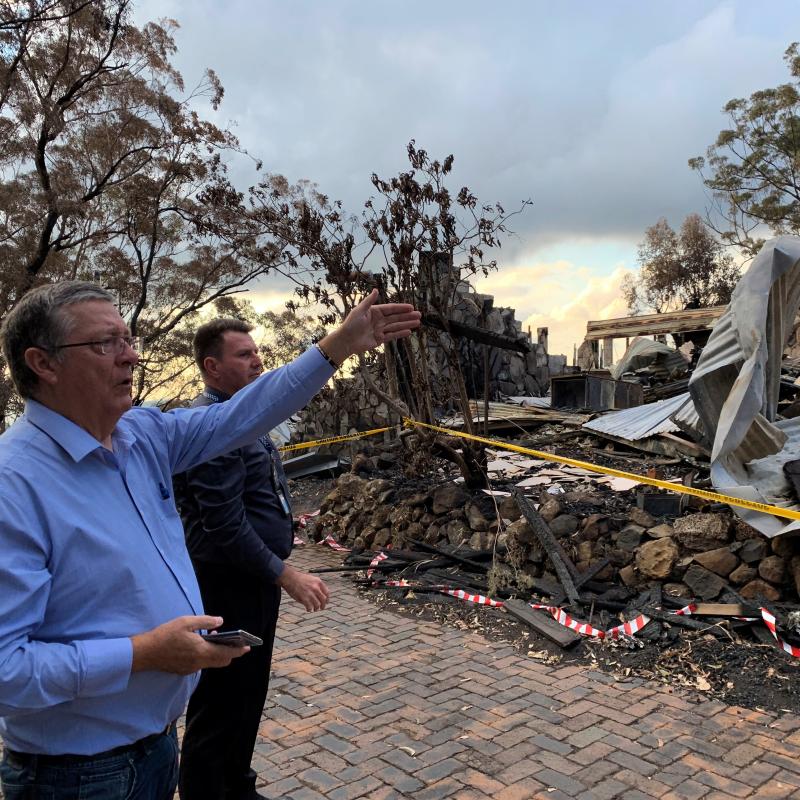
x=589 y=109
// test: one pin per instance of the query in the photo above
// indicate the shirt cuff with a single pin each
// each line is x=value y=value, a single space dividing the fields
x=108 y=665
x=319 y=370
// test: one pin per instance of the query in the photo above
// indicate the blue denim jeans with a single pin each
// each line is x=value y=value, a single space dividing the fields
x=145 y=771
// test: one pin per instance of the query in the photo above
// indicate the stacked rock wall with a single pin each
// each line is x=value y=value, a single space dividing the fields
x=699 y=555
x=347 y=407
x=350 y=406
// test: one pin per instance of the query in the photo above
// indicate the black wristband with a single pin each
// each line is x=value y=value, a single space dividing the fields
x=327 y=357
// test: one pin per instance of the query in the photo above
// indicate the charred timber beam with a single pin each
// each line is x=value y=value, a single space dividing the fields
x=467 y=562
x=462 y=331
x=558 y=557
x=698 y=319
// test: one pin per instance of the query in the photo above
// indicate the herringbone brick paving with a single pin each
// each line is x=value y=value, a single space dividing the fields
x=368 y=704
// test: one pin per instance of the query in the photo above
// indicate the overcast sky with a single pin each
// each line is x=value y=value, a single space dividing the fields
x=589 y=109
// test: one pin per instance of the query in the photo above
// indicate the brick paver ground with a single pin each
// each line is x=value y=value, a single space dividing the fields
x=368 y=704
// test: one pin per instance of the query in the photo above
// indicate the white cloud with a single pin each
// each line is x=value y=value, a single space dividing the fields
x=560 y=296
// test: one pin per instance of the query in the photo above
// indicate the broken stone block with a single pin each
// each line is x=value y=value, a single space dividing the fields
x=375 y=488
x=536 y=554
x=549 y=510
x=414 y=531
x=757 y=588
x=703 y=583
x=475 y=518
x=657 y=558
x=742 y=531
x=702 y=531
x=785 y=546
x=772 y=569
x=480 y=540
x=594 y=526
x=508 y=508
x=400 y=518
x=660 y=531
x=753 y=550
x=432 y=534
x=619 y=557
x=456 y=531
x=348 y=486
x=640 y=517
x=585 y=551
x=742 y=574
x=564 y=525
x=629 y=576
x=720 y=561
x=521 y=532
x=448 y=497
x=381 y=538
x=630 y=537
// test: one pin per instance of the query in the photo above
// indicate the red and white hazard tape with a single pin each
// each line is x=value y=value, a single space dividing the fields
x=332 y=543
x=302 y=520
x=769 y=621
x=374 y=563
x=478 y=599
x=628 y=628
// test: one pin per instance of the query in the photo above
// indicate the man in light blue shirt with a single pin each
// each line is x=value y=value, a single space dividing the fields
x=99 y=606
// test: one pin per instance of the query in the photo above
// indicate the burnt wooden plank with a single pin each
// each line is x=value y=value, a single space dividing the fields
x=558 y=557
x=542 y=623
x=458 y=559
x=725 y=610
x=598 y=566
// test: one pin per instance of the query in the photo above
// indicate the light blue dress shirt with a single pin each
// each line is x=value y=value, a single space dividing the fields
x=92 y=552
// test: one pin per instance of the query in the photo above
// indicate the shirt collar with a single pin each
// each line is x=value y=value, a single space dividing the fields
x=76 y=441
x=215 y=395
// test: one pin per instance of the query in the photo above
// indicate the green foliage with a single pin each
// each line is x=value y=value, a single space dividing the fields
x=752 y=168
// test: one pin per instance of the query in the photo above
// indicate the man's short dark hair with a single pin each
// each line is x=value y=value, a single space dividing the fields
x=39 y=319
x=208 y=338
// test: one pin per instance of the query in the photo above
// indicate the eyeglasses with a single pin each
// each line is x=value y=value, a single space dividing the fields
x=111 y=345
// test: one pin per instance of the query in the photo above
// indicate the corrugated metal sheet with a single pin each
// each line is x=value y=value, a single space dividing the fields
x=640 y=422
x=534 y=402
x=735 y=386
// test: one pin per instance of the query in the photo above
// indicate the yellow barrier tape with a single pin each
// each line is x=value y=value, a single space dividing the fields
x=331 y=440
x=714 y=497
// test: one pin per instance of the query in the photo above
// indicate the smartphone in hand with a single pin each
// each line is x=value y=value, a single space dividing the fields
x=232 y=638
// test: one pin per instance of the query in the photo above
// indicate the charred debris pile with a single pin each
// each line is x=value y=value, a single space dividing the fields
x=720 y=412
x=600 y=548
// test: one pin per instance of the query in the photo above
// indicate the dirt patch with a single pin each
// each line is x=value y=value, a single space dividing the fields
x=308 y=493
x=740 y=672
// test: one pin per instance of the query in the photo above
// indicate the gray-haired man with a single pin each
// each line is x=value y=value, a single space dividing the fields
x=99 y=606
